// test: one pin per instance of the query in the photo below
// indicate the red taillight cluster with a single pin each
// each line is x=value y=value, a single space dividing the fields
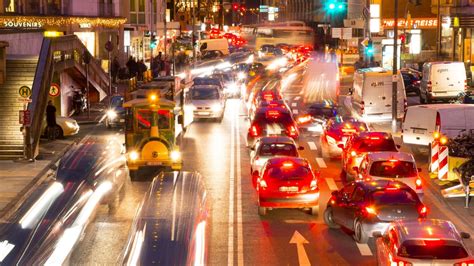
x=418 y=183
x=253 y=131
x=465 y=263
x=398 y=262
x=292 y=132
x=423 y=211
x=370 y=210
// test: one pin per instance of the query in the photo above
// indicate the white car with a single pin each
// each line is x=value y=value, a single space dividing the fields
x=422 y=242
x=269 y=147
x=398 y=166
x=207 y=101
x=65 y=126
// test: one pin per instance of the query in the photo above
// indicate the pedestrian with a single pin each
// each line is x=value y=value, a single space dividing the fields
x=141 y=69
x=132 y=67
x=51 y=120
x=115 y=69
x=168 y=67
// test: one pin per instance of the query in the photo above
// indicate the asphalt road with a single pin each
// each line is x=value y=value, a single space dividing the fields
x=238 y=234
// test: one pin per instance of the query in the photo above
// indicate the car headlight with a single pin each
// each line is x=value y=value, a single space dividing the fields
x=241 y=75
x=216 y=108
x=232 y=88
x=133 y=155
x=111 y=114
x=175 y=156
x=70 y=124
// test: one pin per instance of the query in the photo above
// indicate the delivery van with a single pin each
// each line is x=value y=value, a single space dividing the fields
x=442 y=81
x=372 y=95
x=214 y=45
x=421 y=121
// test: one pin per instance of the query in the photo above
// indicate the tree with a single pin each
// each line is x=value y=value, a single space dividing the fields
x=463 y=146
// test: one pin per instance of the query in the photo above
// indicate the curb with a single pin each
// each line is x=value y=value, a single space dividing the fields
x=43 y=175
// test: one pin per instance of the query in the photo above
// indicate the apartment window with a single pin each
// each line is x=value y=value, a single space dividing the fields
x=137 y=11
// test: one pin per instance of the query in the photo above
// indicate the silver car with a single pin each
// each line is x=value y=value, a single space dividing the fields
x=422 y=242
x=269 y=147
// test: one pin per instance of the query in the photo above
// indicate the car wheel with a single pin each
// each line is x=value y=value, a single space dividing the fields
x=58 y=132
x=359 y=235
x=262 y=211
x=314 y=210
x=329 y=220
x=422 y=100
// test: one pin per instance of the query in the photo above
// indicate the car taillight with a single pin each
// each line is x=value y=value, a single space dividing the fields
x=353 y=153
x=465 y=263
x=398 y=262
x=292 y=131
x=253 y=130
x=429 y=86
x=423 y=211
x=418 y=183
x=362 y=107
x=370 y=210
x=331 y=140
x=304 y=119
x=262 y=183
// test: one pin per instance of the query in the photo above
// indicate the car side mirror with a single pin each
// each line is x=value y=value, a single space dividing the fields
x=465 y=235
x=419 y=169
x=340 y=145
x=377 y=234
x=301 y=148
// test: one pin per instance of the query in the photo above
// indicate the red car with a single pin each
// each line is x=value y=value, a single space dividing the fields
x=287 y=182
x=336 y=132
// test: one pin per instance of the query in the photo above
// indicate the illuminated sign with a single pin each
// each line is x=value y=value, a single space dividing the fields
x=416 y=23
x=22 y=24
x=85 y=25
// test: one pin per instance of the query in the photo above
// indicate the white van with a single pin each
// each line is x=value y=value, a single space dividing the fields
x=372 y=94
x=442 y=81
x=421 y=121
x=214 y=44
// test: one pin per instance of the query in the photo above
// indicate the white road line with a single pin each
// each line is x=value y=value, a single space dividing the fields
x=312 y=146
x=295 y=111
x=364 y=249
x=321 y=162
x=230 y=239
x=331 y=184
x=240 y=235
x=173 y=224
x=294 y=104
x=297 y=98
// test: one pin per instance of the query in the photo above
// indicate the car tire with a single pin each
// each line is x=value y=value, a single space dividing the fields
x=58 y=132
x=422 y=100
x=329 y=220
x=314 y=210
x=262 y=211
x=359 y=235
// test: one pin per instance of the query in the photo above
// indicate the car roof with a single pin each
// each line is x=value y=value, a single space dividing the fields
x=427 y=228
x=381 y=184
x=277 y=139
x=390 y=155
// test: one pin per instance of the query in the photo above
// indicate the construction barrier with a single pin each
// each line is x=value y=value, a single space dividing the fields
x=443 y=163
x=434 y=164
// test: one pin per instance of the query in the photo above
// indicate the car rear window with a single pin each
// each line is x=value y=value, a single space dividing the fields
x=358 y=126
x=265 y=118
x=204 y=94
x=394 y=197
x=282 y=149
x=372 y=145
x=321 y=111
x=393 y=169
x=289 y=173
x=432 y=249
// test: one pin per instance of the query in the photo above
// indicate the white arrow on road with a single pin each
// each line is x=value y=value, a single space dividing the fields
x=299 y=240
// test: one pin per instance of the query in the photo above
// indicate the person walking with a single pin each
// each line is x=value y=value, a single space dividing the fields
x=132 y=67
x=115 y=69
x=141 y=69
x=51 y=120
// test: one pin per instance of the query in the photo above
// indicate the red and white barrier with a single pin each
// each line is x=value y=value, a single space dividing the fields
x=443 y=163
x=434 y=164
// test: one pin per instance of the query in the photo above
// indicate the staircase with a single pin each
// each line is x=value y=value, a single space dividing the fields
x=20 y=72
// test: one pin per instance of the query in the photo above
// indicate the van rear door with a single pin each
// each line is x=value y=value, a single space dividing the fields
x=448 y=79
x=377 y=95
x=419 y=125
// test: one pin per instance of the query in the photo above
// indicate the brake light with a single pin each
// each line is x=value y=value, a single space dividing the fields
x=391 y=188
x=433 y=242
x=353 y=153
x=292 y=131
x=398 y=262
x=287 y=164
x=370 y=210
x=253 y=131
x=273 y=113
x=393 y=160
x=262 y=183
x=268 y=96
x=313 y=185
x=423 y=211
x=429 y=86
x=418 y=183
x=304 y=119
x=405 y=105
x=465 y=263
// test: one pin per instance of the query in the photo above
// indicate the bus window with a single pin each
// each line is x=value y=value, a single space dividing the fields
x=163 y=119
x=144 y=119
x=128 y=120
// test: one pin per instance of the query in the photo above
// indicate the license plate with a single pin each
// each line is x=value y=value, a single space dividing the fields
x=154 y=163
x=289 y=189
x=203 y=113
x=419 y=131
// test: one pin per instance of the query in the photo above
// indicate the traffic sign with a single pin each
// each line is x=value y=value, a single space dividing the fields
x=365 y=42
x=54 y=90
x=24 y=91
x=25 y=117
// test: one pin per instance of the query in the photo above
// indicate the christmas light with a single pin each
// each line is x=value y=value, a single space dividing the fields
x=56 y=21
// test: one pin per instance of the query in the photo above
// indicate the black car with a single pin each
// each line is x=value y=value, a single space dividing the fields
x=317 y=114
x=369 y=207
x=211 y=54
x=411 y=80
x=468 y=98
x=115 y=114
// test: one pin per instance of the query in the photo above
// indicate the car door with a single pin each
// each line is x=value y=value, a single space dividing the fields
x=354 y=205
x=340 y=206
x=254 y=151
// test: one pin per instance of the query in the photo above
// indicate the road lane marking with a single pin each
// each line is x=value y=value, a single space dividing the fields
x=297 y=98
x=312 y=146
x=173 y=224
x=240 y=235
x=364 y=249
x=331 y=184
x=230 y=239
x=299 y=240
x=321 y=163
x=295 y=111
x=294 y=104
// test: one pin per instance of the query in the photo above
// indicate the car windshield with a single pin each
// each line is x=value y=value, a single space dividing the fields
x=374 y=145
x=290 y=172
x=322 y=111
x=393 y=169
x=204 y=94
x=394 y=197
x=209 y=81
x=432 y=249
x=282 y=149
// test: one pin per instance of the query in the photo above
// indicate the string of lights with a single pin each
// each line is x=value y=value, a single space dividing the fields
x=57 y=21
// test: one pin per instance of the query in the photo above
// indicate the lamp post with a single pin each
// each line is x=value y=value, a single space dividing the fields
x=395 y=69
x=86 y=57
